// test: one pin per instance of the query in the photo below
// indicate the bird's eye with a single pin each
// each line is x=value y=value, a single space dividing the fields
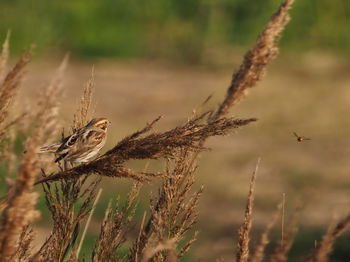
x=72 y=140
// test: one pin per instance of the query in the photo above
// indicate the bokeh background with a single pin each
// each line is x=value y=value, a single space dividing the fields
x=174 y=30
x=165 y=57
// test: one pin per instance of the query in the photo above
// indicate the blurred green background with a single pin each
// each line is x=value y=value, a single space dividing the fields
x=174 y=30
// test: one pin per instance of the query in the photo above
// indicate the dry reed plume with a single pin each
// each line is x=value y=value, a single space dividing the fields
x=84 y=112
x=166 y=231
x=62 y=202
x=114 y=227
x=243 y=239
x=321 y=253
x=21 y=199
x=153 y=146
x=258 y=254
x=4 y=57
x=281 y=252
x=255 y=60
x=173 y=211
x=9 y=85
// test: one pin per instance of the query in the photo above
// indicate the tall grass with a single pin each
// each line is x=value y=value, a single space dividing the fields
x=166 y=230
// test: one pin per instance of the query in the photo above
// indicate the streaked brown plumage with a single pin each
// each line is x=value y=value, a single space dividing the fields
x=83 y=144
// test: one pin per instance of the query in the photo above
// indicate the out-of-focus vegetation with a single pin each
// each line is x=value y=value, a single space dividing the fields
x=179 y=30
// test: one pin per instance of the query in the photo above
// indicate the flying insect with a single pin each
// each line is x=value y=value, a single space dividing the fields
x=300 y=138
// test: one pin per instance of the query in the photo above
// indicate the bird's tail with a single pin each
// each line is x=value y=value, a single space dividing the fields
x=49 y=149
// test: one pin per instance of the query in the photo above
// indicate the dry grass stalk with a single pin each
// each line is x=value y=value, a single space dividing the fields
x=61 y=201
x=8 y=89
x=283 y=217
x=63 y=198
x=4 y=57
x=20 y=204
x=46 y=112
x=73 y=257
x=281 y=252
x=153 y=146
x=88 y=220
x=321 y=253
x=114 y=226
x=243 y=233
x=173 y=213
x=168 y=245
x=84 y=111
x=255 y=60
x=258 y=254
x=8 y=155
x=137 y=242
x=24 y=247
x=189 y=244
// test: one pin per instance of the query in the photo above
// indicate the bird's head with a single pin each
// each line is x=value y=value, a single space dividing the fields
x=101 y=123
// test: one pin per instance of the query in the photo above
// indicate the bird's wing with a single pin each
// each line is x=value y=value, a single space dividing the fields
x=83 y=145
x=93 y=136
x=61 y=156
x=67 y=145
x=92 y=140
x=69 y=141
x=61 y=147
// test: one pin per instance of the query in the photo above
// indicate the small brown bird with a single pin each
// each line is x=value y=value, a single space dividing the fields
x=83 y=144
x=300 y=138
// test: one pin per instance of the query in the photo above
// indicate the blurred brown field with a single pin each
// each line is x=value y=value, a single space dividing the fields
x=308 y=95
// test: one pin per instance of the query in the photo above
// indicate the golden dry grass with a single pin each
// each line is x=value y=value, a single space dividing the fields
x=167 y=233
x=316 y=171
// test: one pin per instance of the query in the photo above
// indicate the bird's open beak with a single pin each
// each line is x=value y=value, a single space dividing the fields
x=109 y=122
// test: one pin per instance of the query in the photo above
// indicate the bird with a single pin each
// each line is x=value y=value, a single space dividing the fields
x=300 y=138
x=82 y=145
